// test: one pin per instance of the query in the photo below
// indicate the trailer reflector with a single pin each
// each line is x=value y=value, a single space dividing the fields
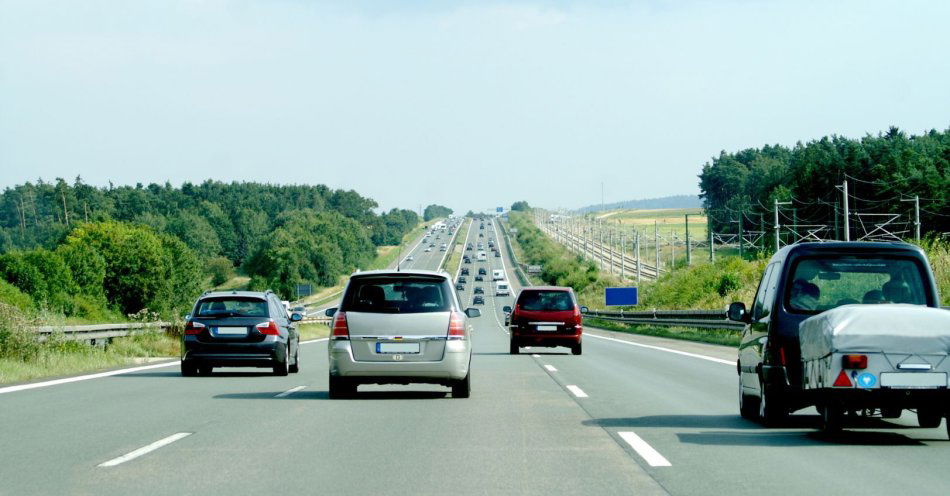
x=843 y=380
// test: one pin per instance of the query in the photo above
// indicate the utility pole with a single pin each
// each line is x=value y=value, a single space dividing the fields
x=689 y=260
x=600 y=231
x=712 y=247
x=916 y=201
x=741 y=229
x=672 y=249
x=847 y=222
x=778 y=240
x=638 y=256
x=656 y=246
x=610 y=248
x=622 y=272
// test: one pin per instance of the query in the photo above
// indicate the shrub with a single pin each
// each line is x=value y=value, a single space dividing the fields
x=16 y=340
x=221 y=270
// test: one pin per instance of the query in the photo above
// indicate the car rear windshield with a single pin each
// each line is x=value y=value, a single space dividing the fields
x=546 y=301
x=819 y=284
x=232 y=306
x=397 y=295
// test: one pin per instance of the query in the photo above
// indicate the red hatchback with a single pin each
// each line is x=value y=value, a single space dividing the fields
x=546 y=316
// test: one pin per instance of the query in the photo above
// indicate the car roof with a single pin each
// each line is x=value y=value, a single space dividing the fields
x=547 y=288
x=244 y=294
x=392 y=272
x=843 y=246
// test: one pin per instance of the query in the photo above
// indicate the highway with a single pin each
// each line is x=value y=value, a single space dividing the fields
x=632 y=415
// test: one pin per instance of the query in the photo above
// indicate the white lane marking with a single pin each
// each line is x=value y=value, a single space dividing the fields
x=578 y=392
x=652 y=456
x=145 y=449
x=67 y=380
x=289 y=392
x=550 y=368
x=668 y=350
x=314 y=341
x=536 y=356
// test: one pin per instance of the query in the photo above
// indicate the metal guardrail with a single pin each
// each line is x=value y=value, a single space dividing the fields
x=94 y=332
x=701 y=319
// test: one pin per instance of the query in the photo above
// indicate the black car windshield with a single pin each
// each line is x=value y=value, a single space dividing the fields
x=546 y=301
x=232 y=306
x=397 y=295
x=819 y=284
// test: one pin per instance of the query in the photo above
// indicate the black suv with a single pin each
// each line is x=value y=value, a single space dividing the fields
x=240 y=329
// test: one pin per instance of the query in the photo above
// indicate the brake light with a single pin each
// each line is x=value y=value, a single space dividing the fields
x=781 y=356
x=578 y=318
x=340 y=329
x=842 y=380
x=268 y=328
x=854 y=361
x=456 y=325
x=192 y=328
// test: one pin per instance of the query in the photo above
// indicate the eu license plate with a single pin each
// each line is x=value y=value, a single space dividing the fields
x=547 y=328
x=914 y=380
x=231 y=331
x=401 y=348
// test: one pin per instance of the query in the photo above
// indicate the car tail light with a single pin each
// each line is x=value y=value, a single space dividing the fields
x=456 y=325
x=854 y=361
x=578 y=318
x=340 y=329
x=268 y=328
x=842 y=380
x=192 y=328
x=781 y=356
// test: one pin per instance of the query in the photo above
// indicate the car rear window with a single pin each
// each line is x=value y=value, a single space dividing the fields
x=232 y=306
x=819 y=284
x=397 y=295
x=546 y=301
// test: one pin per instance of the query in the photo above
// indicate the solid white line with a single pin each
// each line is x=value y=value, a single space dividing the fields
x=668 y=350
x=289 y=392
x=652 y=456
x=67 y=380
x=314 y=341
x=577 y=391
x=145 y=449
x=550 y=368
x=536 y=356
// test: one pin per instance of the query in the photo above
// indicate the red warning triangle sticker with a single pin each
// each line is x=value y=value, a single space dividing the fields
x=842 y=380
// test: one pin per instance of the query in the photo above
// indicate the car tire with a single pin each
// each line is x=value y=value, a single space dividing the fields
x=928 y=418
x=296 y=365
x=463 y=387
x=281 y=367
x=341 y=388
x=188 y=369
x=771 y=409
x=748 y=407
x=513 y=348
x=576 y=349
x=205 y=370
x=832 y=418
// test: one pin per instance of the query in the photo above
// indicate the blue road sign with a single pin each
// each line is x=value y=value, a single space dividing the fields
x=499 y=209
x=620 y=296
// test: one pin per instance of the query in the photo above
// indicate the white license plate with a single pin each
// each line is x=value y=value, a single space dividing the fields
x=397 y=348
x=547 y=327
x=232 y=331
x=914 y=379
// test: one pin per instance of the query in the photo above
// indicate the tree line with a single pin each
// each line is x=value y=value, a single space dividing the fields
x=76 y=248
x=883 y=173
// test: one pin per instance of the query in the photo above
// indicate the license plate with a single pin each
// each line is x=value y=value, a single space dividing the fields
x=914 y=379
x=547 y=327
x=232 y=331
x=401 y=348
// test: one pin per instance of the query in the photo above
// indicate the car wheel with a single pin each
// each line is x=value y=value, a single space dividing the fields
x=576 y=349
x=188 y=369
x=463 y=387
x=513 y=348
x=832 y=418
x=281 y=366
x=205 y=370
x=928 y=418
x=341 y=388
x=296 y=366
x=771 y=409
x=748 y=408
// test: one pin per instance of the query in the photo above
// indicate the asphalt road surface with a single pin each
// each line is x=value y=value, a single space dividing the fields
x=632 y=415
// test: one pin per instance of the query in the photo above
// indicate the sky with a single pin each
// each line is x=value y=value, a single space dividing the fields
x=471 y=105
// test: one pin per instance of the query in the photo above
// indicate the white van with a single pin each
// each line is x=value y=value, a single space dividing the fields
x=481 y=256
x=498 y=275
x=502 y=288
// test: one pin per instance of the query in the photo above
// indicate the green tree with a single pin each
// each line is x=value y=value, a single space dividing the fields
x=435 y=211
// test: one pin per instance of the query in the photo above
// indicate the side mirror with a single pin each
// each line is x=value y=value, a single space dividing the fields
x=585 y=310
x=329 y=312
x=188 y=317
x=507 y=309
x=473 y=312
x=296 y=317
x=737 y=312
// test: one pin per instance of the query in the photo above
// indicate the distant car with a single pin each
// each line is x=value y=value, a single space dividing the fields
x=464 y=271
x=428 y=249
x=481 y=235
x=478 y=300
x=467 y=260
x=479 y=277
x=497 y=275
x=431 y=245
x=462 y=280
x=502 y=288
x=410 y=258
x=399 y=328
x=240 y=329
x=481 y=256
x=546 y=316
x=460 y=286
x=478 y=290
x=302 y=310
x=468 y=248
x=482 y=271
x=497 y=254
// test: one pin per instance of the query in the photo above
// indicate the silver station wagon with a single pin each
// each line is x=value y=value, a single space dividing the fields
x=400 y=327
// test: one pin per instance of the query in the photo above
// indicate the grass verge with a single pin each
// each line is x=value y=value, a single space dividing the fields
x=712 y=336
x=455 y=253
x=313 y=331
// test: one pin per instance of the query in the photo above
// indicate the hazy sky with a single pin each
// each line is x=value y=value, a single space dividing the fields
x=467 y=104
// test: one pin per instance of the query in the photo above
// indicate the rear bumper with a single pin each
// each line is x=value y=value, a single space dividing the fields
x=545 y=340
x=854 y=398
x=453 y=366
x=262 y=354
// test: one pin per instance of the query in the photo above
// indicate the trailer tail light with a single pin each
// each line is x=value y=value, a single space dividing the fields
x=781 y=356
x=268 y=328
x=456 y=325
x=854 y=361
x=843 y=380
x=193 y=328
x=340 y=329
